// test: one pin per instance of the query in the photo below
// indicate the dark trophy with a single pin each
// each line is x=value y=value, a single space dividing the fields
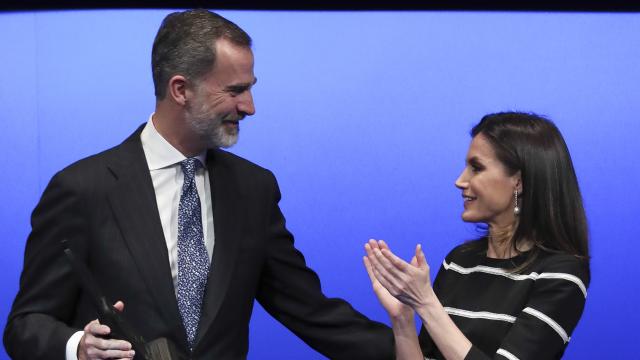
x=158 y=349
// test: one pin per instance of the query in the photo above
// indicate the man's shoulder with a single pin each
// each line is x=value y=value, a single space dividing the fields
x=244 y=175
x=93 y=162
x=238 y=163
x=97 y=165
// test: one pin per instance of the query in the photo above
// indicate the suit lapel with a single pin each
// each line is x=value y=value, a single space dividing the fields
x=136 y=212
x=226 y=218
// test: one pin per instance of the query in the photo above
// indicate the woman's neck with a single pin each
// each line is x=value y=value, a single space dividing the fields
x=500 y=242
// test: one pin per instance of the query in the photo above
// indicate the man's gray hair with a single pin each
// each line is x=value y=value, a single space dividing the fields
x=185 y=45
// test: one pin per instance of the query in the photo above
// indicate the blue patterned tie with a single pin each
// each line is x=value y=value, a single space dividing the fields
x=193 y=261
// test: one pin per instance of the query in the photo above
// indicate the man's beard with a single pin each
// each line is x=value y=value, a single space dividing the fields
x=211 y=129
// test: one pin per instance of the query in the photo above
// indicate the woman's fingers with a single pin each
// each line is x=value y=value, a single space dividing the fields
x=368 y=267
x=385 y=261
x=383 y=245
x=398 y=263
x=379 y=264
x=420 y=256
x=380 y=271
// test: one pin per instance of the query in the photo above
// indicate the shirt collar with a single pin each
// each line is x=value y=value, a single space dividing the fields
x=159 y=152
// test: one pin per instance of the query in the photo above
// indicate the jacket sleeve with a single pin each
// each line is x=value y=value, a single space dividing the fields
x=37 y=327
x=291 y=293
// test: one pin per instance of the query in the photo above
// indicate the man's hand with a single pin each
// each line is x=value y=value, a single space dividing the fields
x=94 y=345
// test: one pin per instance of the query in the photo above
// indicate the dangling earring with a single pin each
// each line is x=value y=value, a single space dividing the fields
x=516 y=209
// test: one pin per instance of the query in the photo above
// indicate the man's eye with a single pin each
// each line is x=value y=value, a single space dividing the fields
x=237 y=91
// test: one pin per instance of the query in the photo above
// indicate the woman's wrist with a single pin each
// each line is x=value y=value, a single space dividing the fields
x=428 y=304
x=403 y=324
x=404 y=317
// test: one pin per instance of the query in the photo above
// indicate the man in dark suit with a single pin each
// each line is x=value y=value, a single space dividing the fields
x=186 y=235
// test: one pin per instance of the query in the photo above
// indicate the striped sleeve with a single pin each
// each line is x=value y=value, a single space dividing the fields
x=543 y=329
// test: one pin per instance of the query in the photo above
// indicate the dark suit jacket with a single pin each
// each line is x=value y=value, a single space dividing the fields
x=105 y=205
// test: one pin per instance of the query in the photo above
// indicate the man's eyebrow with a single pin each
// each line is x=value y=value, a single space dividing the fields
x=242 y=86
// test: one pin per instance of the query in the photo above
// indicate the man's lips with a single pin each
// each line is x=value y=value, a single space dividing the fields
x=231 y=122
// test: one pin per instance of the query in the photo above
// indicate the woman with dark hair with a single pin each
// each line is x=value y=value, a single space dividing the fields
x=518 y=291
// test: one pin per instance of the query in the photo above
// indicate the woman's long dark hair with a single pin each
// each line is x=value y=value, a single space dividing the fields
x=551 y=211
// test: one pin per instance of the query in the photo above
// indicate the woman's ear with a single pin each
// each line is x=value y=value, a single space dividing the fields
x=517 y=178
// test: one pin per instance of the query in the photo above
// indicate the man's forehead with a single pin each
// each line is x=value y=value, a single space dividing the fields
x=225 y=45
x=238 y=58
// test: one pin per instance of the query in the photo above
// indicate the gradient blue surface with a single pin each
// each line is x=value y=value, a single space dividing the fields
x=364 y=119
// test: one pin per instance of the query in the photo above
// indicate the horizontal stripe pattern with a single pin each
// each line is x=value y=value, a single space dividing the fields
x=549 y=321
x=508 y=315
x=506 y=354
x=480 y=314
x=518 y=277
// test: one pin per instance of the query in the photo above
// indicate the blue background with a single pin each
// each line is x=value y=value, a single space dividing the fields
x=364 y=118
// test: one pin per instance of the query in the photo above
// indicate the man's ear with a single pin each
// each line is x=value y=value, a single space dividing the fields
x=177 y=89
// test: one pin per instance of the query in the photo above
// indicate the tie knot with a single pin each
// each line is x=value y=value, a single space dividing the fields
x=189 y=167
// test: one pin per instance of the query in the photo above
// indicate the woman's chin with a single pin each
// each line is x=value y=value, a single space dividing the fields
x=470 y=217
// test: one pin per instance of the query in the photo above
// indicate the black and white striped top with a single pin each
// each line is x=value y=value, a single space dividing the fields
x=505 y=315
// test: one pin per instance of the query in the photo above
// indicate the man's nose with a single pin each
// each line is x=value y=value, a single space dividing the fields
x=245 y=104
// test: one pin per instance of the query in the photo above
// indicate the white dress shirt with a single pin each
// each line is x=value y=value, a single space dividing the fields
x=167 y=176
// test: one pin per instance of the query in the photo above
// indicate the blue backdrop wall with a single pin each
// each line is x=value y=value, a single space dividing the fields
x=364 y=118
